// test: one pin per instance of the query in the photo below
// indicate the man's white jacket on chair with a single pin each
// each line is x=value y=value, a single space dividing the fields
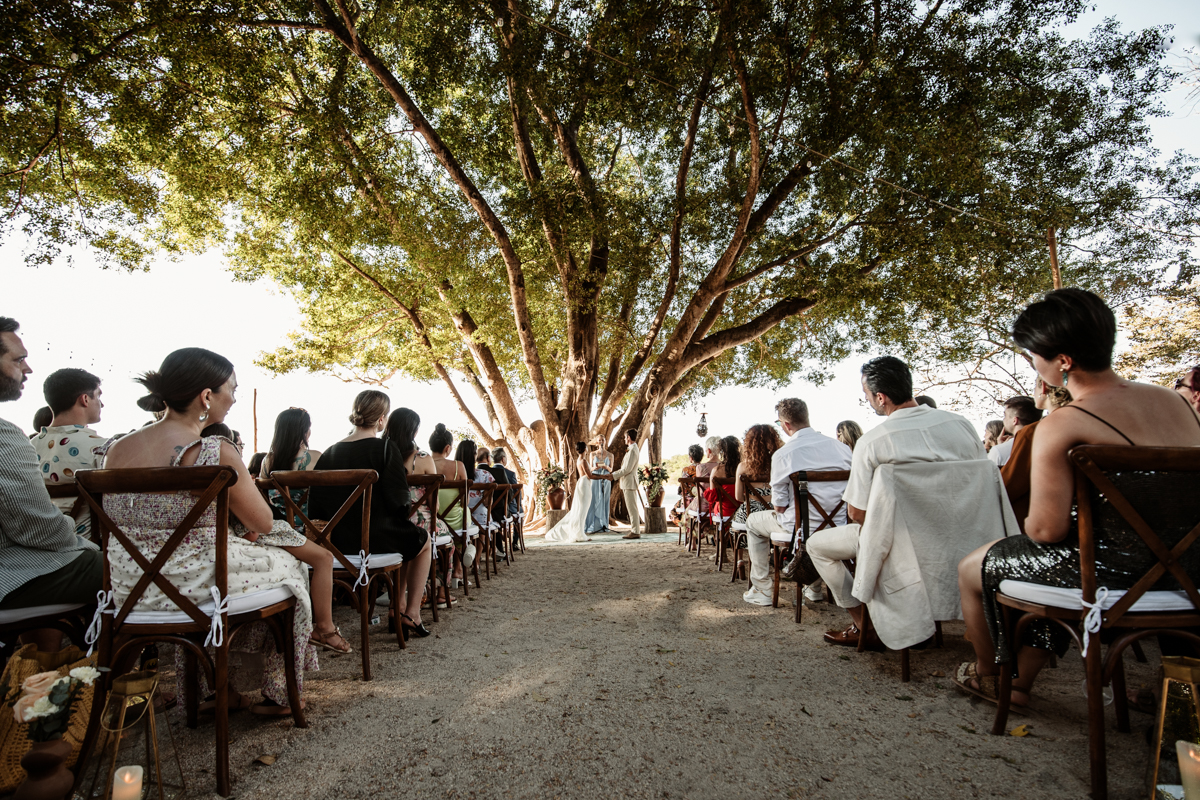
x=922 y=519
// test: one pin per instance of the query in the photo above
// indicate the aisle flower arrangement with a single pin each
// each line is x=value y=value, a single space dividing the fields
x=45 y=701
x=653 y=477
x=547 y=478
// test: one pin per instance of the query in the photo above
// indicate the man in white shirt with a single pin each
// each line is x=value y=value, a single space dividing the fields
x=1019 y=411
x=805 y=449
x=65 y=445
x=911 y=433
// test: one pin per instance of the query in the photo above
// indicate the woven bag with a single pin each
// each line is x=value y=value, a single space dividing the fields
x=14 y=736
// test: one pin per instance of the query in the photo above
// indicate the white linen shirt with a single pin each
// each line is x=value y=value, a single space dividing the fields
x=808 y=450
x=1001 y=453
x=910 y=435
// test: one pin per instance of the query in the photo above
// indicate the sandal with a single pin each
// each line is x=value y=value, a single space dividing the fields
x=985 y=687
x=322 y=640
x=237 y=702
x=269 y=708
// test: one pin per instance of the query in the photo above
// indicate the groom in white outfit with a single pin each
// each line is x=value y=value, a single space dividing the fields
x=627 y=475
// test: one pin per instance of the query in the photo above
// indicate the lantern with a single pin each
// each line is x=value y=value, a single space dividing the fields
x=702 y=428
x=1184 y=673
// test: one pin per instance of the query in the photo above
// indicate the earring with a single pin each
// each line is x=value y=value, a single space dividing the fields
x=1064 y=378
x=204 y=416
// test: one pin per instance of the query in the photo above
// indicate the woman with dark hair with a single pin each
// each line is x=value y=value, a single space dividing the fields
x=1070 y=335
x=469 y=455
x=760 y=444
x=573 y=526
x=441 y=441
x=849 y=432
x=695 y=455
x=729 y=458
x=391 y=531
x=289 y=451
x=195 y=387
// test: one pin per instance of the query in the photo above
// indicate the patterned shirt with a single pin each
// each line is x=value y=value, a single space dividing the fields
x=61 y=451
x=35 y=538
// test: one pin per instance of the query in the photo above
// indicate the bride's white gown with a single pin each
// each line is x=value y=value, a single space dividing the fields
x=573 y=527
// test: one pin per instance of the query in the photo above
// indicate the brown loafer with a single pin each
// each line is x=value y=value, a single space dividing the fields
x=631 y=536
x=846 y=638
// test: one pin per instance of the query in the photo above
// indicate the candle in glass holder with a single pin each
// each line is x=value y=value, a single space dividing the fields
x=1189 y=769
x=127 y=784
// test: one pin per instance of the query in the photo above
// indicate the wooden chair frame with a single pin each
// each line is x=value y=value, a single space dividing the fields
x=801 y=500
x=686 y=486
x=433 y=484
x=487 y=492
x=460 y=537
x=760 y=488
x=725 y=492
x=1091 y=463
x=507 y=531
x=121 y=642
x=345 y=574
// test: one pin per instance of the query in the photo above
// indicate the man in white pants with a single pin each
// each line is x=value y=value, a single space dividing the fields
x=805 y=449
x=627 y=475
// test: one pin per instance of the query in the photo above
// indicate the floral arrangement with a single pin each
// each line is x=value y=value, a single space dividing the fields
x=653 y=477
x=548 y=477
x=45 y=701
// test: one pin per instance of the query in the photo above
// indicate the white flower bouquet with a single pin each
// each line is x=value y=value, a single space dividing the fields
x=45 y=700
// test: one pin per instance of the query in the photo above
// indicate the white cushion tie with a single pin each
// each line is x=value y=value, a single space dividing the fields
x=104 y=605
x=1094 y=617
x=216 y=631
x=364 y=577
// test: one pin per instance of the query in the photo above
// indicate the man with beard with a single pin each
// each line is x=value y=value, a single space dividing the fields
x=42 y=561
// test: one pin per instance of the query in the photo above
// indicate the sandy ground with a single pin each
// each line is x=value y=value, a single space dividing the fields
x=634 y=670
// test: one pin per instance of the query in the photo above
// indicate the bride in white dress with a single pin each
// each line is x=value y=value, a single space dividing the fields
x=573 y=527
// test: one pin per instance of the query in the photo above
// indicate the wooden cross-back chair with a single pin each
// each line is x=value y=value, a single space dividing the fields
x=487 y=492
x=440 y=546
x=785 y=546
x=724 y=493
x=695 y=517
x=519 y=519
x=751 y=487
x=125 y=632
x=1143 y=503
x=69 y=618
x=506 y=533
x=461 y=535
x=687 y=486
x=354 y=572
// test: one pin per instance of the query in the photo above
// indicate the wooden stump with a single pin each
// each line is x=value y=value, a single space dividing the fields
x=553 y=516
x=656 y=520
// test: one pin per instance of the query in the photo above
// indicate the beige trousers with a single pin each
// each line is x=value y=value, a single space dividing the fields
x=631 y=503
x=828 y=549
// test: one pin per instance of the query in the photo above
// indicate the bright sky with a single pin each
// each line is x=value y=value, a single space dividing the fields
x=117 y=324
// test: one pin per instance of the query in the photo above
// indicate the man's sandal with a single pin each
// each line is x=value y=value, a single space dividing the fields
x=985 y=687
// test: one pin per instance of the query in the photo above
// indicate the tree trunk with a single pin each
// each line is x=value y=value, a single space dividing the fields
x=656 y=439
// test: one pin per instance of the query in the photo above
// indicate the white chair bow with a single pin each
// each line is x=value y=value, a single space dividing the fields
x=216 y=631
x=1094 y=617
x=104 y=605
x=364 y=561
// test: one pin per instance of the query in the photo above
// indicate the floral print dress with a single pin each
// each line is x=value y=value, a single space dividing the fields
x=149 y=520
x=420 y=511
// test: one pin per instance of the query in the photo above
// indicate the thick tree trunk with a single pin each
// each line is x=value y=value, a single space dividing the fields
x=656 y=439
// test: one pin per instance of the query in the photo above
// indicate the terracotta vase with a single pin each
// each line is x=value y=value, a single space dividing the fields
x=47 y=776
x=556 y=498
x=657 y=500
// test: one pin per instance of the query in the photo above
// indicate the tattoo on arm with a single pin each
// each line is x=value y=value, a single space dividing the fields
x=178 y=450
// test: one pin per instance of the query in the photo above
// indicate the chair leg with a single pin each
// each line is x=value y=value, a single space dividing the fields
x=777 y=566
x=1120 y=698
x=287 y=620
x=1095 y=703
x=799 y=601
x=905 y=667
x=937 y=633
x=364 y=626
x=397 y=584
x=1138 y=653
x=191 y=678
x=221 y=715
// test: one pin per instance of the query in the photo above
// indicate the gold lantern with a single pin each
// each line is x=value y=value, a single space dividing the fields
x=1182 y=671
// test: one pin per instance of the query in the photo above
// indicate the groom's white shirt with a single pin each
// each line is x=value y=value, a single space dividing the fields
x=627 y=474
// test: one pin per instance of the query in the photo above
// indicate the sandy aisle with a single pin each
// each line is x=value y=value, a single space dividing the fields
x=634 y=670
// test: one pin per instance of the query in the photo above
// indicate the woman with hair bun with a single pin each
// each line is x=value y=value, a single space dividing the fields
x=1070 y=335
x=194 y=388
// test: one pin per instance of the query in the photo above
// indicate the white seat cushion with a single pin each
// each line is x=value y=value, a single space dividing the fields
x=443 y=541
x=692 y=513
x=12 y=615
x=738 y=526
x=238 y=604
x=1072 y=598
x=783 y=538
x=377 y=560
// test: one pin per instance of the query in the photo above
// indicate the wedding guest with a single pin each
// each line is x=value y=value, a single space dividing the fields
x=401 y=430
x=991 y=433
x=1019 y=411
x=1189 y=386
x=451 y=469
x=729 y=458
x=41 y=418
x=849 y=432
x=1015 y=472
x=392 y=530
x=42 y=560
x=911 y=434
x=500 y=469
x=222 y=430
x=695 y=456
x=65 y=445
x=925 y=400
x=196 y=387
x=704 y=470
x=290 y=451
x=758 y=448
x=1070 y=334
x=805 y=449
x=469 y=455
x=254 y=465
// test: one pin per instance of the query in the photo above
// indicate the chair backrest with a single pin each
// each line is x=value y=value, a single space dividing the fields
x=207 y=484
x=487 y=492
x=802 y=498
x=724 y=489
x=756 y=488
x=1139 y=511
x=500 y=499
x=360 y=481
x=431 y=483
x=689 y=487
x=460 y=500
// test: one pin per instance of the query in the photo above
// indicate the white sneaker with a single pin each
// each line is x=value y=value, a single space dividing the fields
x=814 y=593
x=756 y=598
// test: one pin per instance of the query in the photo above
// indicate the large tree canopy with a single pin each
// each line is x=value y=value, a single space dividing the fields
x=601 y=207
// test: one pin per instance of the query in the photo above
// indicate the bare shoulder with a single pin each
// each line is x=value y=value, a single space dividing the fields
x=315 y=457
